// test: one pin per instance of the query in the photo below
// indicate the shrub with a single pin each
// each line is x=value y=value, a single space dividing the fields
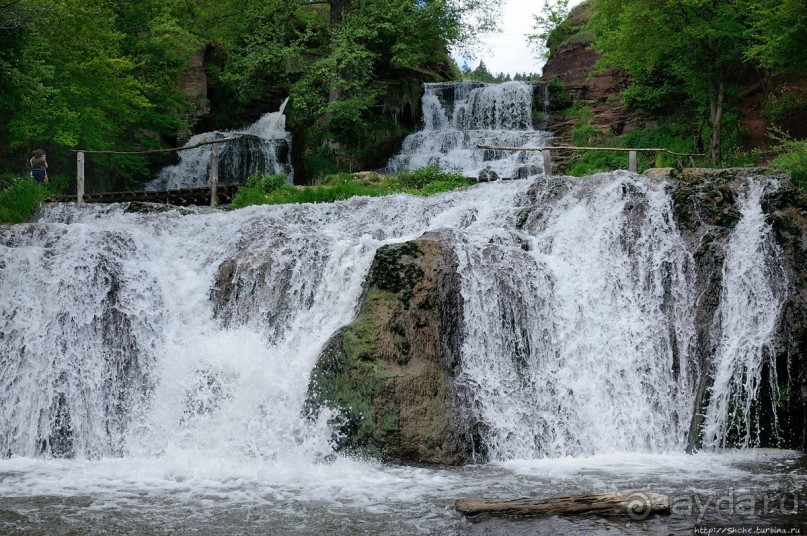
x=419 y=178
x=793 y=158
x=19 y=201
x=257 y=187
x=336 y=187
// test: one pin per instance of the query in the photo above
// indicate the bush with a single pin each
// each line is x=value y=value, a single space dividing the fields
x=19 y=201
x=257 y=187
x=420 y=178
x=793 y=158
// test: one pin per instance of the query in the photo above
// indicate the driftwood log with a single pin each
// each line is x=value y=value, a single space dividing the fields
x=635 y=504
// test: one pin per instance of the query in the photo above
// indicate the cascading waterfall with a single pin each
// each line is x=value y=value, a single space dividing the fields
x=579 y=329
x=754 y=291
x=458 y=116
x=264 y=146
x=127 y=334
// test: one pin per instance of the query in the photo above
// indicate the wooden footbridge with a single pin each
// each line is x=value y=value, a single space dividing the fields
x=213 y=195
x=546 y=152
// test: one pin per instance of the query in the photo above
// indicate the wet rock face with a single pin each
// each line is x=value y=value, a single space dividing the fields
x=706 y=212
x=388 y=376
x=787 y=214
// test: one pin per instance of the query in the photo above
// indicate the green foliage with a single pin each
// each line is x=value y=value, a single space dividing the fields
x=673 y=133
x=551 y=27
x=19 y=201
x=258 y=187
x=781 y=105
x=793 y=157
x=336 y=187
x=426 y=176
x=778 y=28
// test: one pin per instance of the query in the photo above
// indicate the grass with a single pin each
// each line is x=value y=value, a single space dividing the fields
x=261 y=189
x=20 y=199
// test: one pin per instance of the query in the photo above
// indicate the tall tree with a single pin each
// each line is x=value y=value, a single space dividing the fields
x=698 y=44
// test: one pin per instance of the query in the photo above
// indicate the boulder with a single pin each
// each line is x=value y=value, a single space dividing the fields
x=388 y=376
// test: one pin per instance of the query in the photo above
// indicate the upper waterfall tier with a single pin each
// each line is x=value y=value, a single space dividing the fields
x=459 y=116
x=263 y=146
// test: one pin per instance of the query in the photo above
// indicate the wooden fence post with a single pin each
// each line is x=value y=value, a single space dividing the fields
x=632 y=161
x=214 y=173
x=80 y=177
x=547 y=154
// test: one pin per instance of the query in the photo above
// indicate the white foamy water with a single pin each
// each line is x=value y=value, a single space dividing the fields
x=754 y=290
x=459 y=116
x=263 y=146
x=579 y=330
x=180 y=398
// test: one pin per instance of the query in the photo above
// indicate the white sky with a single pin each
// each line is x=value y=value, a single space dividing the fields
x=508 y=52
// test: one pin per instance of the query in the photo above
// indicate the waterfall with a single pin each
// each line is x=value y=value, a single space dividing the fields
x=579 y=331
x=192 y=333
x=754 y=291
x=458 y=116
x=263 y=146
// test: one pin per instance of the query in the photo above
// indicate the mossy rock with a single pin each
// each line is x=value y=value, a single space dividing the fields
x=388 y=375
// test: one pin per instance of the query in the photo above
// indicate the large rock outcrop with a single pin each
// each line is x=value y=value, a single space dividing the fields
x=389 y=375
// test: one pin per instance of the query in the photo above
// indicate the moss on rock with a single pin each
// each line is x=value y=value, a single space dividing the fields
x=388 y=375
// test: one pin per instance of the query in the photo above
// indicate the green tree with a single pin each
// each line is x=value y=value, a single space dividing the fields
x=696 y=47
x=553 y=21
x=92 y=74
x=482 y=74
x=779 y=30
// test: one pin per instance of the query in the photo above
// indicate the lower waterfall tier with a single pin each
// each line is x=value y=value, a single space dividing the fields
x=618 y=313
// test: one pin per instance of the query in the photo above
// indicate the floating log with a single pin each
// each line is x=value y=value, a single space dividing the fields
x=635 y=504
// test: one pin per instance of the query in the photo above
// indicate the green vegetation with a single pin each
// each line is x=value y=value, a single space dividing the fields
x=691 y=52
x=109 y=75
x=20 y=199
x=481 y=74
x=700 y=56
x=672 y=133
x=263 y=189
x=792 y=157
x=557 y=27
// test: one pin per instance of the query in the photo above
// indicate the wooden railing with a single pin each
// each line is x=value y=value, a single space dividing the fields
x=214 y=164
x=546 y=152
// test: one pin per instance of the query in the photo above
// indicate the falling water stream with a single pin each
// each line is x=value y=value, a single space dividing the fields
x=460 y=116
x=135 y=400
x=187 y=420
x=264 y=146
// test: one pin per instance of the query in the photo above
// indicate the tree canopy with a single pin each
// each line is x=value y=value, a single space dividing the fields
x=102 y=75
x=690 y=47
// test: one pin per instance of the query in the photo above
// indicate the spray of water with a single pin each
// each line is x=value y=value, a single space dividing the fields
x=578 y=333
x=195 y=331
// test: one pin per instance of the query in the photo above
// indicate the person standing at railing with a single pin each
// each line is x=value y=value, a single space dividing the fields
x=39 y=166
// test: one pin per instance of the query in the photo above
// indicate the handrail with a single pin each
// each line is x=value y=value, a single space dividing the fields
x=547 y=153
x=572 y=148
x=214 y=164
x=154 y=151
